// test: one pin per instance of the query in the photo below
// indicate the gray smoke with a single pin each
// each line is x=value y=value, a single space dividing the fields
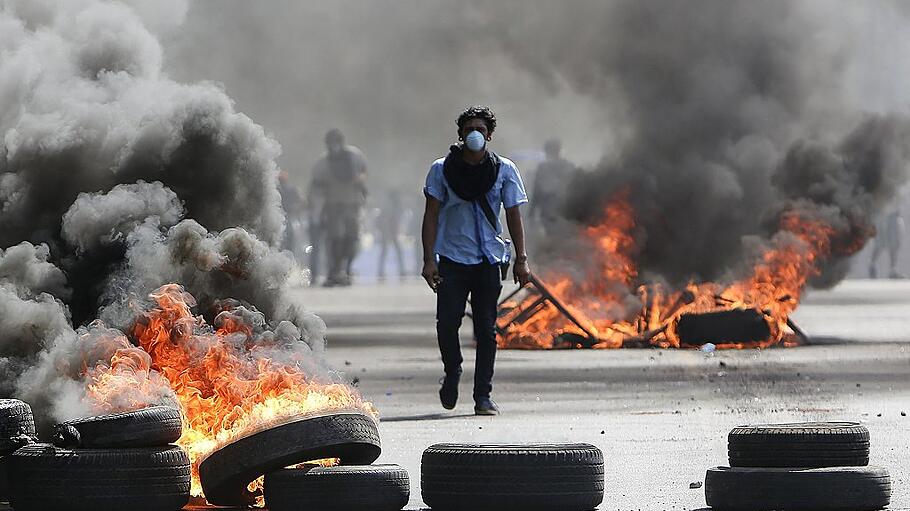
x=114 y=180
x=106 y=218
x=32 y=313
x=233 y=263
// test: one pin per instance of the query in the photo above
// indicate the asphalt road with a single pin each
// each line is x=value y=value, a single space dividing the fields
x=660 y=416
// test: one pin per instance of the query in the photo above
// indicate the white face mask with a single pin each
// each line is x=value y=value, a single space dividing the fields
x=475 y=141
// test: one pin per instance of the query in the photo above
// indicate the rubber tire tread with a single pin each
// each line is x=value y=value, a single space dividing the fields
x=43 y=477
x=225 y=473
x=534 y=477
x=17 y=425
x=794 y=489
x=342 y=488
x=148 y=427
x=4 y=478
x=806 y=445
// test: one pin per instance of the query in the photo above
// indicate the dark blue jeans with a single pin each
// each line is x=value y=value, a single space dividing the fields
x=482 y=282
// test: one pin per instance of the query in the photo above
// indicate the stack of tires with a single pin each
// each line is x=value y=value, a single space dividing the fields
x=17 y=429
x=534 y=477
x=816 y=466
x=109 y=462
x=353 y=485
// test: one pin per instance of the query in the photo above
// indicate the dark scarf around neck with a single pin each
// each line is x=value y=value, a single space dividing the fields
x=470 y=182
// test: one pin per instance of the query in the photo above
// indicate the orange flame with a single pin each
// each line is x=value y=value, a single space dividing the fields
x=615 y=311
x=228 y=383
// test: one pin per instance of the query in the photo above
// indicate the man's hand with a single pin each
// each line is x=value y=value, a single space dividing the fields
x=431 y=275
x=521 y=272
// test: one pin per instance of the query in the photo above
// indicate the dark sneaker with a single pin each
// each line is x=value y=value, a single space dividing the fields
x=485 y=406
x=448 y=393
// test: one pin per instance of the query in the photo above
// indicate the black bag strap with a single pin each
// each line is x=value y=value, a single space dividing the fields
x=482 y=200
x=487 y=210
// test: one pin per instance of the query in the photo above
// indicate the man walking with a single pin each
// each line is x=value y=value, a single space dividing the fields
x=464 y=252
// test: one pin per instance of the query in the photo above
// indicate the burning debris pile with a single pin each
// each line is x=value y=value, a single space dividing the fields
x=754 y=310
x=138 y=224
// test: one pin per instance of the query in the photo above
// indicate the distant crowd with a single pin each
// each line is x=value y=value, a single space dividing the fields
x=330 y=219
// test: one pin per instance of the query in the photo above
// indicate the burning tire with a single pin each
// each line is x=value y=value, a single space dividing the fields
x=512 y=477
x=44 y=477
x=722 y=327
x=17 y=426
x=808 y=445
x=149 y=427
x=344 y=488
x=351 y=436
x=798 y=489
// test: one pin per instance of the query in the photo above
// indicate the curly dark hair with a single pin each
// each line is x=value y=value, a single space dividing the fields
x=477 y=112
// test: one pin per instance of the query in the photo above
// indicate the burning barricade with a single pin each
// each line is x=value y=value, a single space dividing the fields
x=608 y=306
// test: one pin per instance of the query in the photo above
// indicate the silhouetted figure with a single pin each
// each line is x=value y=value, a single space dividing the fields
x=888 y=239
x=292 y=202
x=549 y=187
x=336 y=197
x=388 y=225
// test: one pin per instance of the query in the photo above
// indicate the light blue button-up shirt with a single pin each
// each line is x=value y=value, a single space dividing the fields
x=464 y=235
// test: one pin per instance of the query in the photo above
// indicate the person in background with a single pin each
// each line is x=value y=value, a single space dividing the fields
x=315 y=247
x=464 y=251
x=888 y=239
x=292 y=202
x=339 y=187
x=388 y=223
x=549 y=185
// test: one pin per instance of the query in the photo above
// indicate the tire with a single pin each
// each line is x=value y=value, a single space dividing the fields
x=797 y=489
x=537 y=477
x=806 y=445
x=17 y=425
x=225 y=473
x=44 y=477
x=148 y=427
x=4 y=481
x=343 y=488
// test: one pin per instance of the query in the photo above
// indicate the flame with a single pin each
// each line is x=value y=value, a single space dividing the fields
x=229 y=383
x=612 y=309
x=255 y=488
